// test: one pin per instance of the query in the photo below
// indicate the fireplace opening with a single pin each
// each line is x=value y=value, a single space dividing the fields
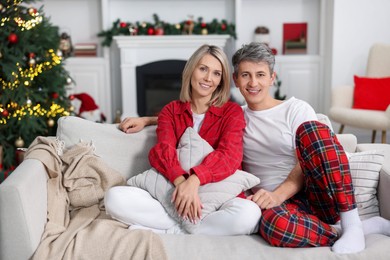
x=158 y=83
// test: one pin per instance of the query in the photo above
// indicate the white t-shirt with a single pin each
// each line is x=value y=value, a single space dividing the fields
x=198 y=120
x=269 y=140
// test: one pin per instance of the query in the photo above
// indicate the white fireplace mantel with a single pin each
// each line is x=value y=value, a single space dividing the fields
x=139 y=50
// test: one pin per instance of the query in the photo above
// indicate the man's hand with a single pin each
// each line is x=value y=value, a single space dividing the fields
x=266 y=199
x=186 y=198
x=133 y=124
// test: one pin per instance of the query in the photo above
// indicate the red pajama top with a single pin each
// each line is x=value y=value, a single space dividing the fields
x=223 y=128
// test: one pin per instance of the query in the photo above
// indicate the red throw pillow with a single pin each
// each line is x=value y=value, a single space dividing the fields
x=371 y=93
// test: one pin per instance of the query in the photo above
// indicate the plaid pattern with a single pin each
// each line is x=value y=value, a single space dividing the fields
x=223 y=128
x=303 y=220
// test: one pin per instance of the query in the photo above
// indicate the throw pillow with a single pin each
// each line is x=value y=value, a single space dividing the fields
x=365 y=167
x=371 y=93
x=191 y=151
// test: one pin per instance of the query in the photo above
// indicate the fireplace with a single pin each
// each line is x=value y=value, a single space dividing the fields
x=158 y=83
x=138 y=51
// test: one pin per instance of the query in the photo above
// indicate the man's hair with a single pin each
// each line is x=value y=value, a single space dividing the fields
x=254 y=52
x=222 y=94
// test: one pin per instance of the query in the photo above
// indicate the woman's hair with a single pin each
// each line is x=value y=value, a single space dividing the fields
x=222 y=94
x=254 y=52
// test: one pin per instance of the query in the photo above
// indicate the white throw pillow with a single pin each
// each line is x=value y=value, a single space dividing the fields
x=191 y=151
x=365 y=167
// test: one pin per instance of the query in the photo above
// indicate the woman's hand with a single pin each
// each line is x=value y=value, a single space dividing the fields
x=134 y=124
x=186 y=198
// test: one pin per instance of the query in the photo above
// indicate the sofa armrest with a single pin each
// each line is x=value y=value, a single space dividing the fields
x=384 y=177
x=342 y=96
x=23 y=209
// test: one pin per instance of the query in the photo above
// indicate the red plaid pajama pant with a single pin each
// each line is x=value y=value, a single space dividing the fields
x=303 y=220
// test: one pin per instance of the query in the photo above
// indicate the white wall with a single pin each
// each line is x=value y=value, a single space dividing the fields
x=357 y=24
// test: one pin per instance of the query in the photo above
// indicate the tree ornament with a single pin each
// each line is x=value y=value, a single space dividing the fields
x=1 y=7
x=54 y=95
x=5 y=113
x=13 y=38
x=32 y=62
x=32 y=11
x=50 y=122
x=68 y=80
x=28 y=102
x=19 y=143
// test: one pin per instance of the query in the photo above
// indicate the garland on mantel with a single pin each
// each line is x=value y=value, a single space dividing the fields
x=159 y=27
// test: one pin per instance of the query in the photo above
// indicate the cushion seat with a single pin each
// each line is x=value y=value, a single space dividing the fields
x=363 y=118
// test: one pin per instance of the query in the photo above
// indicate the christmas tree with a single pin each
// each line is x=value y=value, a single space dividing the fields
x=32 y=78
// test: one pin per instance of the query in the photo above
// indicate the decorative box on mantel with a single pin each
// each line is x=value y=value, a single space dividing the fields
x=140 y=50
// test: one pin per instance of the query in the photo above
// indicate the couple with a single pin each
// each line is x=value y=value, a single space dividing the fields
x=305 y=197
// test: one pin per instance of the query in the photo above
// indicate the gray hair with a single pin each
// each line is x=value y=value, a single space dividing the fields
x=254 y=52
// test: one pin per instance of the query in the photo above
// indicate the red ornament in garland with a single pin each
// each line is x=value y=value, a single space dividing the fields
x=203 y=25
x=223 y=27
x=123 y=25
x=13 y=38
x=159 y=31
x=150 y=31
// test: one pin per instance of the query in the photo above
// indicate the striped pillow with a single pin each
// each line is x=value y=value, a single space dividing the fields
x=365 y=167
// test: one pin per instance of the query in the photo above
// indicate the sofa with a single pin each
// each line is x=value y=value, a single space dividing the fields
x=23 y=201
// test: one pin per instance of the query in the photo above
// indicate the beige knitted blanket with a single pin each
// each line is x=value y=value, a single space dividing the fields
x=77 y=226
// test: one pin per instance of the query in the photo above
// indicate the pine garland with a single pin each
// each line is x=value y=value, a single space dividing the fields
x=198 y=27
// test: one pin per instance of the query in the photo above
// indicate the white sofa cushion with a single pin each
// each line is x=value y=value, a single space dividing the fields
x=191 y=151
x=365 y=167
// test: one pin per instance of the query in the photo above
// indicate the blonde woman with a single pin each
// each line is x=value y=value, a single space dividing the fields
x=204 y=105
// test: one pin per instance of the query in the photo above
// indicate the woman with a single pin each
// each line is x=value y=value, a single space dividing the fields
x=204 y=106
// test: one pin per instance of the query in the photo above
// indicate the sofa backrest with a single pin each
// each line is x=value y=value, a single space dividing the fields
x=128 y=153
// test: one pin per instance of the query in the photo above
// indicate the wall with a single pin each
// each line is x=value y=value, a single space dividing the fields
x=77 y=18
x=357 y=24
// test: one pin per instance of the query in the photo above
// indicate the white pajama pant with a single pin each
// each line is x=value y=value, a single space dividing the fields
x=135 y=206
